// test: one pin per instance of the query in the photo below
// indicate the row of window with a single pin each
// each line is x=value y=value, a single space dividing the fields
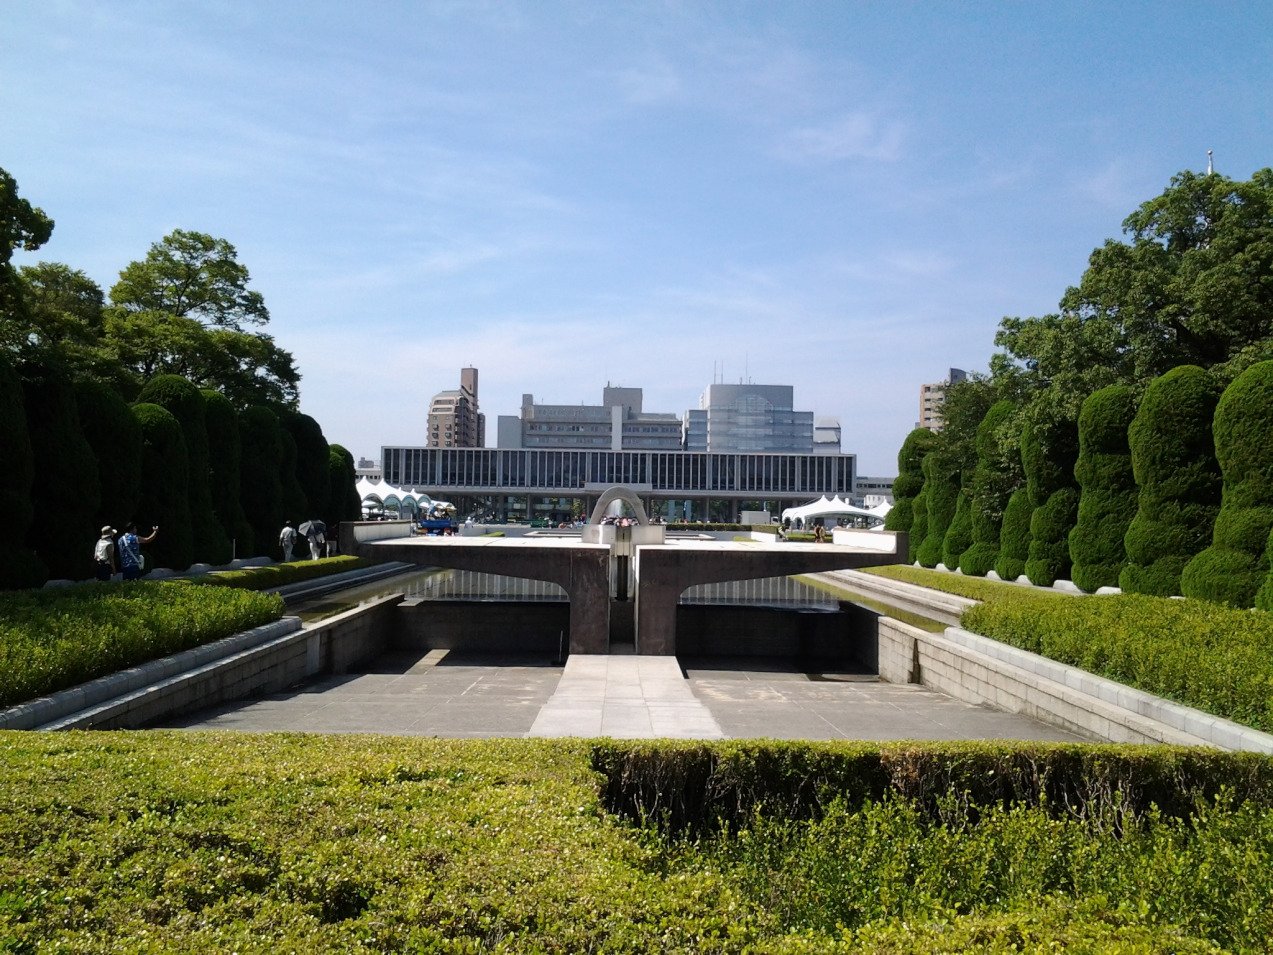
x=671 y=471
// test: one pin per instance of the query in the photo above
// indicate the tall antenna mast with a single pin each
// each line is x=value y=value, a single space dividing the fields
x=1210 y=169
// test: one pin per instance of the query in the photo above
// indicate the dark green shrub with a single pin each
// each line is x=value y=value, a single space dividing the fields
x=344 y=504
x=1050 y=527
x=311 y=461
x=280 y=575
x=941 y=487
x=910 y=479
x=1233 y=568
x=919 y=524
x=165 y=475
x=1048 y=451
x=959 y=534
x=19 y=567
x=224 y=464
x=260 y=470
x=1174 y=461
x=115 y=437
x=1014 y=537
x=1107 y=502
x=185 y=403
x=66 y=492
x=996 y=476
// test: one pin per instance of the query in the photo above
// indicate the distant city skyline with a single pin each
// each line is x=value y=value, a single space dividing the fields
x=846 y=198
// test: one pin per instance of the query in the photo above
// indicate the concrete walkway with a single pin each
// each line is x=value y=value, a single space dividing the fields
x=632 y=697
x=455 y=695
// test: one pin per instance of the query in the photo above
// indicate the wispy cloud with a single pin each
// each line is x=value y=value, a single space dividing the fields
x=857 y=135
x=652 y=82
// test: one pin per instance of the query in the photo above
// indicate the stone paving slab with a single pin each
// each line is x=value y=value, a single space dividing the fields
x=441 y=693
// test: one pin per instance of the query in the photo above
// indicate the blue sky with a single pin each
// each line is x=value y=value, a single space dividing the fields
x=845 y=197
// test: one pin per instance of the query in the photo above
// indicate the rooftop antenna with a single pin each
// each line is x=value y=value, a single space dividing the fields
x=1210 y=169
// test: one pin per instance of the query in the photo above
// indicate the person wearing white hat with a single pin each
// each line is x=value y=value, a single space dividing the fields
x=104 y=553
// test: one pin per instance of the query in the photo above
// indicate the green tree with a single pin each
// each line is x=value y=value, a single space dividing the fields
x=941 y=498
x=209 y=541
x=224 y=463
x=1176 y=471
x=1014 y=536
x=185 y=310
x=22 y=226
x=114 y=435
x=260 y=470
x=67 y=492
x=959 y=534
x=1107 y=501
x=919 y=526
x=996 y=475
x=910 y=478
x=1048 y=452
x=165 y=478
x=19 y=567
x=344 y=504
x=311 y=460
x=1232 y=570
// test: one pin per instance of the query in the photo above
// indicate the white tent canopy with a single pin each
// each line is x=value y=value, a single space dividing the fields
x=378 y=495
x=823 y=508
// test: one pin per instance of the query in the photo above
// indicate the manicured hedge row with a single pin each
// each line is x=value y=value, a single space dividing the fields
x=287 y=842
x=910 y=479
x=694 y=787
x=1203 y=655
x=53 y=640
x=1014 y=536
x=280 y=575
x=974 y=588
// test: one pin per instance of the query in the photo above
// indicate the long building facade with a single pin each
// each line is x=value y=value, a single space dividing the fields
x=555 y=484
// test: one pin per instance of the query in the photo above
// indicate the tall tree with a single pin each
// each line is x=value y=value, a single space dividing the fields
x=186 y=309
x=344 y=503
x=113 y=433
x=22 y=226
x=311 y=460
x=261 y=487
x=910 y=481
x=996 y=476
x=1107 y=501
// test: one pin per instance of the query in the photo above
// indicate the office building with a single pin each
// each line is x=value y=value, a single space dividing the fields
x=931 y=397
x=617 y=424
x=749 y=418
x=454 y=421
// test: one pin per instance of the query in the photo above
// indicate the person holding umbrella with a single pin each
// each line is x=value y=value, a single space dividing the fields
x=315 y=532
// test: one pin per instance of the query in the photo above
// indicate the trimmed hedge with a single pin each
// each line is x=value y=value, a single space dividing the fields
x=260 y=485
x=1173 y=458
x=959 y=534
x=290 y=842
x=280 y=575
x=941 y=493
x=1047 y=458
x=343 y=504
x=208 y=540
x=919 y=525
x=225 y=456
x=113 y=433
x=312 y=465
x=53 y=640
x=19 y=567
x=1107 y=502
x=997 y=475
x=1234 y=567
x=910 y=479
x=66 y=490
x=165 y=473
x=1014 y=536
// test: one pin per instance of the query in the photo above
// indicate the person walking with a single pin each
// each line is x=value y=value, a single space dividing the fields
x=104 y=554
x=316 y=533
x=287 y=540
x=131 y=563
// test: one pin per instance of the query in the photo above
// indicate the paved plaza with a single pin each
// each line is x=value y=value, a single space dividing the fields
x=452 y=694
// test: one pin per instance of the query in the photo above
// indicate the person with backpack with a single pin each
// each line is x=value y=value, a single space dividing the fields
x=104 y=554
x=131 y=563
